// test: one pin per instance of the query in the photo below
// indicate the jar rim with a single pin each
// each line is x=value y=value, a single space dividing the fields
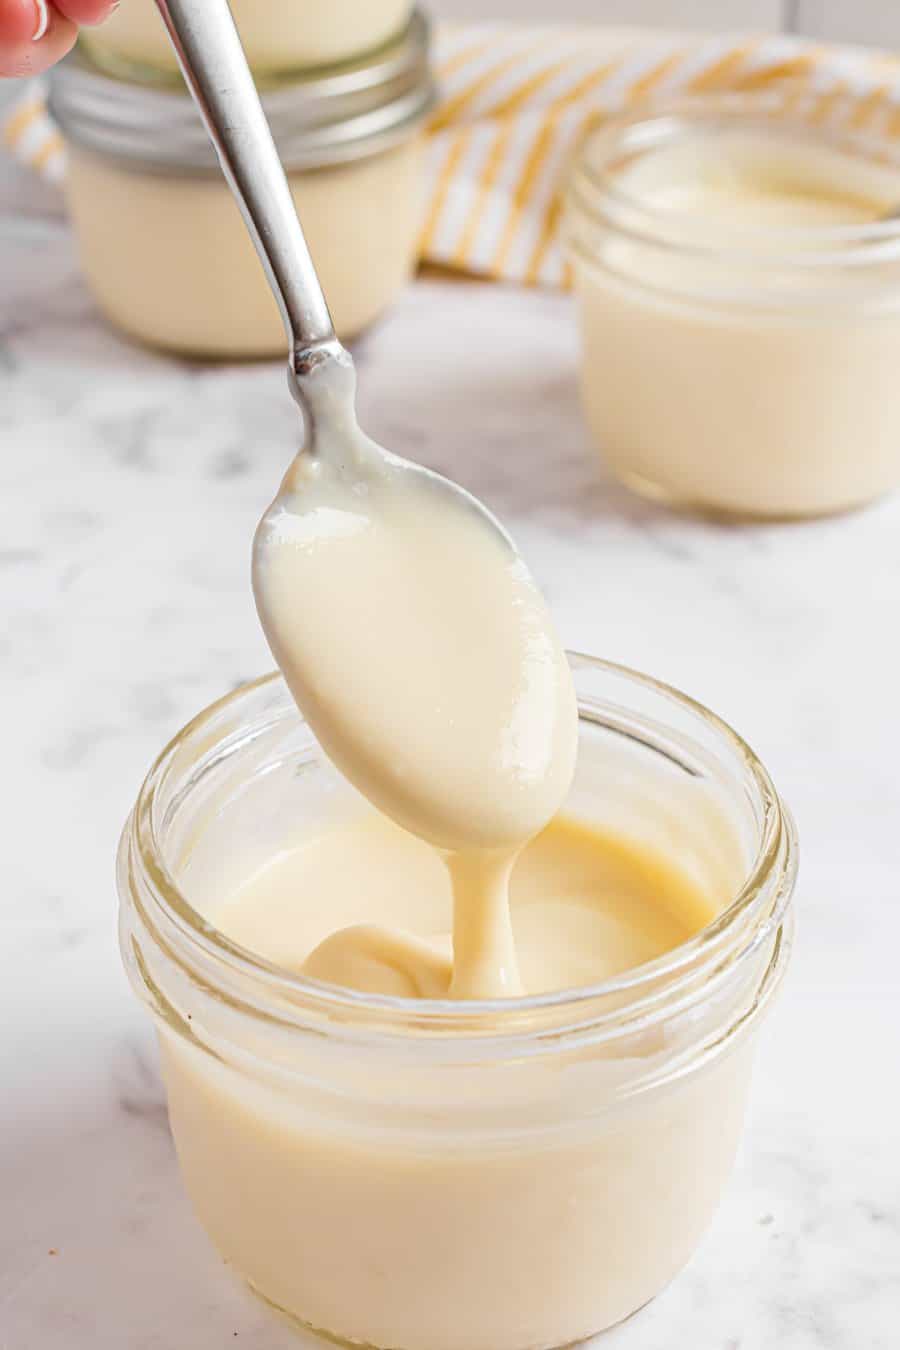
x=320 y=117
x=595 y=195
x=763 y=898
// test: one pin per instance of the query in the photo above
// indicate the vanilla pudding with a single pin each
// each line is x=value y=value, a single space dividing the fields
x=585 y=906
x=191 y=236
x=162 y=244
x=738 y=293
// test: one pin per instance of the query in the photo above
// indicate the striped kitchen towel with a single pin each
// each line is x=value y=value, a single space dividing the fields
x=514 y=102
x=28 y=132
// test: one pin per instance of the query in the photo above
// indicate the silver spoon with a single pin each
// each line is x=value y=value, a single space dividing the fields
x=408 y=629
x=321 y=373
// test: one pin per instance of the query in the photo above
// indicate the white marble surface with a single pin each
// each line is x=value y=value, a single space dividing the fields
x=129 y=486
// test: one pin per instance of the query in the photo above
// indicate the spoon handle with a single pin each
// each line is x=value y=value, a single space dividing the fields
x=214 y=65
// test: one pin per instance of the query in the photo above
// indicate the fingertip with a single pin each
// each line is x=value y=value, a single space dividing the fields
x=28 y=56
x=87 y=12
x=22 y=21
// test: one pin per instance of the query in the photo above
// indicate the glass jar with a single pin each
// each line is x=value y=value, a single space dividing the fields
x=736 y=363
x=445 y=1175
x=162 y=243
x=278 y=35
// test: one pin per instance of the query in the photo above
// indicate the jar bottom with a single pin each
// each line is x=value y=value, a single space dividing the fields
x=329 y=1337
x=199 y=355
x=652 y=491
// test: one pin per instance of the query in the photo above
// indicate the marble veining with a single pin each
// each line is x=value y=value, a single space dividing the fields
x=129 y=489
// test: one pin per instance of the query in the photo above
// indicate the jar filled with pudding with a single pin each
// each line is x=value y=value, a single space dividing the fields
x=398 y=1168
x=278 y=35
x=162 y=243
x=737 y=278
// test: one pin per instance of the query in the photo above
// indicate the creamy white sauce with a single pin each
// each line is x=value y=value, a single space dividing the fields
x=585 y=902
x=155 y=247
x=419 y=648
x=748 y=364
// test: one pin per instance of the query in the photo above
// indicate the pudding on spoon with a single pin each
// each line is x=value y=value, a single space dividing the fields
x=422 y=654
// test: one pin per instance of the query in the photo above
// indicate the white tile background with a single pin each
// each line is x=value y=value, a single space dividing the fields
x=871 y=21
x=874 y=21
x=719 y=14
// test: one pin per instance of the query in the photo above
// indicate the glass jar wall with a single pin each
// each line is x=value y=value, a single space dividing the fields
x=444 y=1175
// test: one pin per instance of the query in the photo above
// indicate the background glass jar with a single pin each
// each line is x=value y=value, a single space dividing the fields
x=738 y=365
x=161 y=240
x=456 y=1176
x=278 y=35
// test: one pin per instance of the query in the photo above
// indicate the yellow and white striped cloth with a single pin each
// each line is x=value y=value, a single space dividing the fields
x=515 y=100
x=29 y=134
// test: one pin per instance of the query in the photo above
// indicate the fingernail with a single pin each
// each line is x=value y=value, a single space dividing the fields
x=42 y=10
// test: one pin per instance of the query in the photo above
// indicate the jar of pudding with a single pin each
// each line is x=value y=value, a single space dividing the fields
x=162 y=242
x=737 y=277
x=428 y=1174
x=278 y=35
